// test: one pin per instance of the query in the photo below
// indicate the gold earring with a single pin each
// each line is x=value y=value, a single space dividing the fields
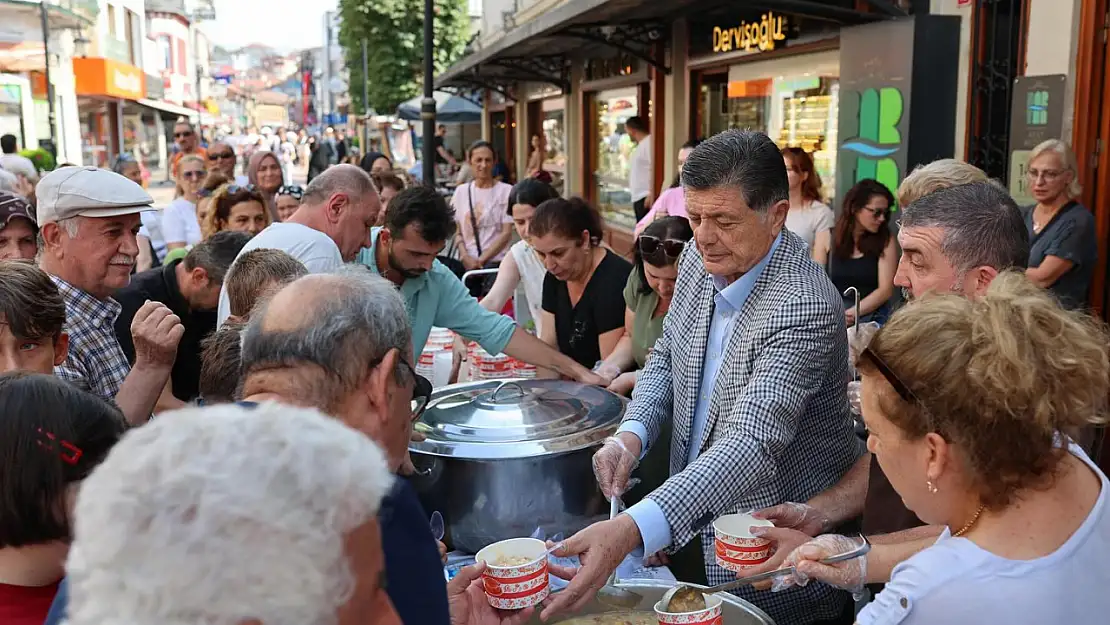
x=931 y=486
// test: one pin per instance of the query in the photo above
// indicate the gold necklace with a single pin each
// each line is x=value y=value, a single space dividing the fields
x=970 y=523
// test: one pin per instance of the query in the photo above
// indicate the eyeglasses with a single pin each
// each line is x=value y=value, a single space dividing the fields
x=226 y=155
x=294 y=191
x=194 y=175
x=1049 y=175
x=178 y=135
x=650 y=245
x=421 y=391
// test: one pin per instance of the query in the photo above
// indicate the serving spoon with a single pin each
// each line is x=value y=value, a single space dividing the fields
x=686 y=591
x=610 y=594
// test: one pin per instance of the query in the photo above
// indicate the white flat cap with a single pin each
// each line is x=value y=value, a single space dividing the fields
x=88 y=192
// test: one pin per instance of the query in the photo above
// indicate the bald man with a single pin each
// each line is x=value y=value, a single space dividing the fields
x=338 y=209
x=341 y=343
x=221 y=158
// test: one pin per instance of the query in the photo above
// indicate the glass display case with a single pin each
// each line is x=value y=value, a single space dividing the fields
x=613 y=154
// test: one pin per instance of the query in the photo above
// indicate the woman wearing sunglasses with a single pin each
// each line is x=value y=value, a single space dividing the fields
x=180 y=227
x=288 y=200
x=583 y=311
x=236 y=208
x=860 y=251
x=969 y=403
x=647 y=297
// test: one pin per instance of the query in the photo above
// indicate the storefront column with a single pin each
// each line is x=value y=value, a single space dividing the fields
x=677 y=100
x=523 y=135
x=574 y=107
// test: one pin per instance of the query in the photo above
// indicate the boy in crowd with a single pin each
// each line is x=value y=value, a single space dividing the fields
x=32 y=315
x=258 y=274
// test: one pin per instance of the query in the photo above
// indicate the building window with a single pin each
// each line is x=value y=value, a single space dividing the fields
x=111 y=22
x=165 y=46
x=133 y=34
x=997 y=60
x=613 y=154
x=181 y=57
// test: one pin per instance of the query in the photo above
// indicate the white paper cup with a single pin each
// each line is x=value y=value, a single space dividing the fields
x=515 y=586
x=711 y=615
x=736 y=548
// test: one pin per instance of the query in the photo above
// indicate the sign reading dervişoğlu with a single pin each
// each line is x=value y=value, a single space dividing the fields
x=756 y=35
x=1037 y=115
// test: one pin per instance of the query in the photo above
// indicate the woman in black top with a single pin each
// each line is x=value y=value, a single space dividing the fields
x=583 y=301
x=860 y=252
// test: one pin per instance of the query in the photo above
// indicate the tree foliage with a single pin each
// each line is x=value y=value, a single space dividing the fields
x=394 y=32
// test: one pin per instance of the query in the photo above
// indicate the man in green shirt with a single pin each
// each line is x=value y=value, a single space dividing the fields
x=418 y=224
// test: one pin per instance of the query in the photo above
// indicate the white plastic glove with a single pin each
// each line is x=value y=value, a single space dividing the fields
x=613 y=464
x=848 y=575
x=798 y=516
x=854 y=398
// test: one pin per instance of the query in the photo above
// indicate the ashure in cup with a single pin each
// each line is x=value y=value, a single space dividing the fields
x=711 y=615
x=737 y=549
x=516 y=573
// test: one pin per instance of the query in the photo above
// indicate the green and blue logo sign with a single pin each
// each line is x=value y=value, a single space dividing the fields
x=1036 y=108
x=878 y=139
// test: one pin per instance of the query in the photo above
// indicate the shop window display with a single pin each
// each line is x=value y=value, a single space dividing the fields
x=614 y=154
x=794 y=109
x=555 y=157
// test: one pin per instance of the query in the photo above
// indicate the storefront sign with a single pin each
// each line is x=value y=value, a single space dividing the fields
x=756 y=35
x=105 y=77
x=1038 y=115
x=894 y=113
x=155 y=90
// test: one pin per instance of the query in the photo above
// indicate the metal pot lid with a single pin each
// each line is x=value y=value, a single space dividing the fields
x=498 y=419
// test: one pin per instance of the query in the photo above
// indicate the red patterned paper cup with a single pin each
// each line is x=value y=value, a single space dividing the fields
x=737 y=549
x=711 y=615
x=512 y=585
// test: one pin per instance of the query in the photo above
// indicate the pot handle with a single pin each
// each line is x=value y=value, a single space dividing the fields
x=423 y=472
x=519 y=390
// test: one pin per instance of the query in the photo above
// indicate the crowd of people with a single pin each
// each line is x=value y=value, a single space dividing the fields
x=208 y=406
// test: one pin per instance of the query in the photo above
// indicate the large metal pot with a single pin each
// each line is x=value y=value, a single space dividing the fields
x=736 y=611
x=503 y=458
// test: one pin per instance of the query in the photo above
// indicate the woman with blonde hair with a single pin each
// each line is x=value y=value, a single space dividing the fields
x=265 y=173
x=969 y=404
x=180 y=227
x=236 y=208
x=1062 y=246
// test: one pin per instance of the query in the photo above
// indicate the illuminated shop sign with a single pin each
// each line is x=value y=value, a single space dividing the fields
x=749 y=36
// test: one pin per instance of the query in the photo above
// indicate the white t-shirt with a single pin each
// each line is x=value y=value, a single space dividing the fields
x=179 y=223
x=491 y=211
x=807 y=222
x=639 y=170
x=954 y=582
x=152 y=229
x=532 y=272
x=316 y=251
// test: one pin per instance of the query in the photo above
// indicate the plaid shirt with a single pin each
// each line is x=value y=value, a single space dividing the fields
x=778 y=426
x=95 y=363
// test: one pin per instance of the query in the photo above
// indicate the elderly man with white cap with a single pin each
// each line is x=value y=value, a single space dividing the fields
x=88 y=219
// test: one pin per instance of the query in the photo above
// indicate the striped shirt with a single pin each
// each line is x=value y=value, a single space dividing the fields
x=96 y=362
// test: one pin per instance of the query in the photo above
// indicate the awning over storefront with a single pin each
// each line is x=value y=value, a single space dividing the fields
x=449 y=109
x=540 y=49
x=167 y=107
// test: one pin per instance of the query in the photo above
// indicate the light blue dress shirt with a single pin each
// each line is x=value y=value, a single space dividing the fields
x=438 y=298
x=728 y=302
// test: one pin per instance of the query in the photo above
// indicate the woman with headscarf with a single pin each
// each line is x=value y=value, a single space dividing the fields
x=265 y=173
x=376 y=163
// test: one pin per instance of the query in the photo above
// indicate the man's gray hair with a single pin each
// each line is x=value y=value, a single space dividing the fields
x=741 y=159
x=344 y=178
x=982 y=225
x=213 y=515
x=345 y=331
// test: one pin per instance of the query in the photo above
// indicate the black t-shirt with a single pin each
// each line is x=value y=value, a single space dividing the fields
x=600 y=310
x=160 y=285
x=413 y=570
x=884 y=512
x=437 y=143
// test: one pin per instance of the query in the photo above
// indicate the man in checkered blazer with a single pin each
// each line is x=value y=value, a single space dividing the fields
x=752 y=367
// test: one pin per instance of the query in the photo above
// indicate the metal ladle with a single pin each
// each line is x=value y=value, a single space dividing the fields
x=610 y=594
x=684 y=591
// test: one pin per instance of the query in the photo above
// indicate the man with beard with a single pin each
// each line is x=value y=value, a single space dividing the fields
x=418 y=224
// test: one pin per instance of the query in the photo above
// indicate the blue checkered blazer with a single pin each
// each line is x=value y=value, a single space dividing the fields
x=779 y=426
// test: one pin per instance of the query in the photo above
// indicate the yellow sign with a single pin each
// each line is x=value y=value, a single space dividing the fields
x=760 y=35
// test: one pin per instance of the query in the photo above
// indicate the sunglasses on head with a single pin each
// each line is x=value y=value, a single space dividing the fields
x=650 y=245
x=234 y=188
x=294 y=191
